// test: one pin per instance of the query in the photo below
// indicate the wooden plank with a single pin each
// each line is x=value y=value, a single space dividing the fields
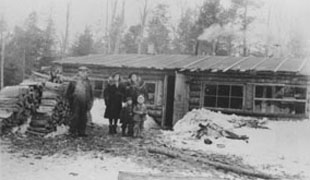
x=164 y=100
x=234 y=64
x=302 y=65
x=180 y=101
x=259 y=63
x=280 y=64
x=163 y=176
x=281 y=100
x=215 y=164
x=194 y=62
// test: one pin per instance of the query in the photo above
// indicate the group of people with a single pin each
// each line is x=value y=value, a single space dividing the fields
x=125 y=100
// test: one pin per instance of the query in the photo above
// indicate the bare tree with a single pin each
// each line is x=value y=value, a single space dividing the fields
x=245 y=27
x=120 y=29
x=66 y=36
x=2 y=31
x=107 y=28
x=143 y=16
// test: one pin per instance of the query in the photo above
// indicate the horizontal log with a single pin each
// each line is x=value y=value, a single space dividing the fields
x=45 y=109
x=5 y=114
x=147 y=176
x=217 y=165
x=48 y=102
x=40 y=75
x=13 y=91
x=50 y=95
x=36 y=133
x=8 y=101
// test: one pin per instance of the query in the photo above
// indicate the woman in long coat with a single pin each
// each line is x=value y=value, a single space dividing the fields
x=114 y=95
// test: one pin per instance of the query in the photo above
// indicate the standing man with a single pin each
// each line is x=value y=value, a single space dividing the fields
x=80 y=97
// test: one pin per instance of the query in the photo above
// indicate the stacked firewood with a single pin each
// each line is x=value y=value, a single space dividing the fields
x=18 y=103
x=52 y=111
x=39 y=99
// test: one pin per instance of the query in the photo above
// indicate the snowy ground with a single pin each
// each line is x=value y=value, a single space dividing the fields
x=282 y=149
x=77 y=167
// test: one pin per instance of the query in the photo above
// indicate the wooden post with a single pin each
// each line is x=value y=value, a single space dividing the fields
x=180 y=97
x=165 y=100
x=24 y=64
x=2 y=59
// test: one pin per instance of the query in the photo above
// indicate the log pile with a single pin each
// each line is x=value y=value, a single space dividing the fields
x=52 y=111
x=17 y=103
x=39 y=99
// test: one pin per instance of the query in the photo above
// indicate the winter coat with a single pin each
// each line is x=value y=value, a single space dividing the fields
x=126 y=114
x=113 y=96
x=139 y=111
x=81 y=90
x=134 y=90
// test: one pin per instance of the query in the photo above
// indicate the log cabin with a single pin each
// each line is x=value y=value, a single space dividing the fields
x=176 y=84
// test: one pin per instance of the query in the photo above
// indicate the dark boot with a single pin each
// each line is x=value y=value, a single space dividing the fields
x=110 y=129
x=123 y=132
x=114 y=129
x=130 y=130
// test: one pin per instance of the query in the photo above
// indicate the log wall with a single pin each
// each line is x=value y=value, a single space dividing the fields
x=248 y=80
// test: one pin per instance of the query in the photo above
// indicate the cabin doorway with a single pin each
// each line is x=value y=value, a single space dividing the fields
x=169 y=102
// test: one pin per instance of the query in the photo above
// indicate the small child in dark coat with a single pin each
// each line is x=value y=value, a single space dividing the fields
x=126 y=118
x=140 y=112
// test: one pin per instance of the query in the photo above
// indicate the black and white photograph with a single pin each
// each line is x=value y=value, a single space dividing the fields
x=154 y=89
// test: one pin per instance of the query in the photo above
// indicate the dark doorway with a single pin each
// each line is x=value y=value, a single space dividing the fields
x=169 y=102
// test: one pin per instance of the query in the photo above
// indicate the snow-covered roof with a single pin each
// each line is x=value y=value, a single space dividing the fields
x=194 y=63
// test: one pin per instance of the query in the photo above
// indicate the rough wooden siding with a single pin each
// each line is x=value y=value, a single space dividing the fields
x=194 y=95
x=248 y=80
x=180 y=106
x=308 y=100
x=248 y=97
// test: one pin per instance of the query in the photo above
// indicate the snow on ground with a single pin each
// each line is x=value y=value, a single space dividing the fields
x=284 y=148
x=97 y=113
x=97 y=116
x=77 y=167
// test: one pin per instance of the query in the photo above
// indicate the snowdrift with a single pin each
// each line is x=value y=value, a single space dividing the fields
x=214 y=123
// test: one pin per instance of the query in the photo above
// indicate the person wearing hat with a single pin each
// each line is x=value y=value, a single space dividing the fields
x=80 y=96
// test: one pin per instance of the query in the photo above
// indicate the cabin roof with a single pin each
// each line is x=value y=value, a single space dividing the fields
x=194 y=63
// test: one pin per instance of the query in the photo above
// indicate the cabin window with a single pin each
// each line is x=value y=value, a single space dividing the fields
x=151 y=92
x=223 y=96
x=280 y=99
x=97 y=87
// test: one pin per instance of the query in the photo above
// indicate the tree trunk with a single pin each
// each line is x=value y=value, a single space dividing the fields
x=245 y=24
x=143 y=16
x=65 y=40
x=217 y=165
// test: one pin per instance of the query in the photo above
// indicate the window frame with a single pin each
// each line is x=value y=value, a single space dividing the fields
x=217 y=84
x=283 y=99
x=156 y=90
x=99 y=91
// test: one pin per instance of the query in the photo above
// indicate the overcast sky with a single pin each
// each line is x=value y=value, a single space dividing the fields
x=91 y=13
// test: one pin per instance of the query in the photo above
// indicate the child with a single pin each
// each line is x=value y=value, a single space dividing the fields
x=126 y=118
x=139 y=117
